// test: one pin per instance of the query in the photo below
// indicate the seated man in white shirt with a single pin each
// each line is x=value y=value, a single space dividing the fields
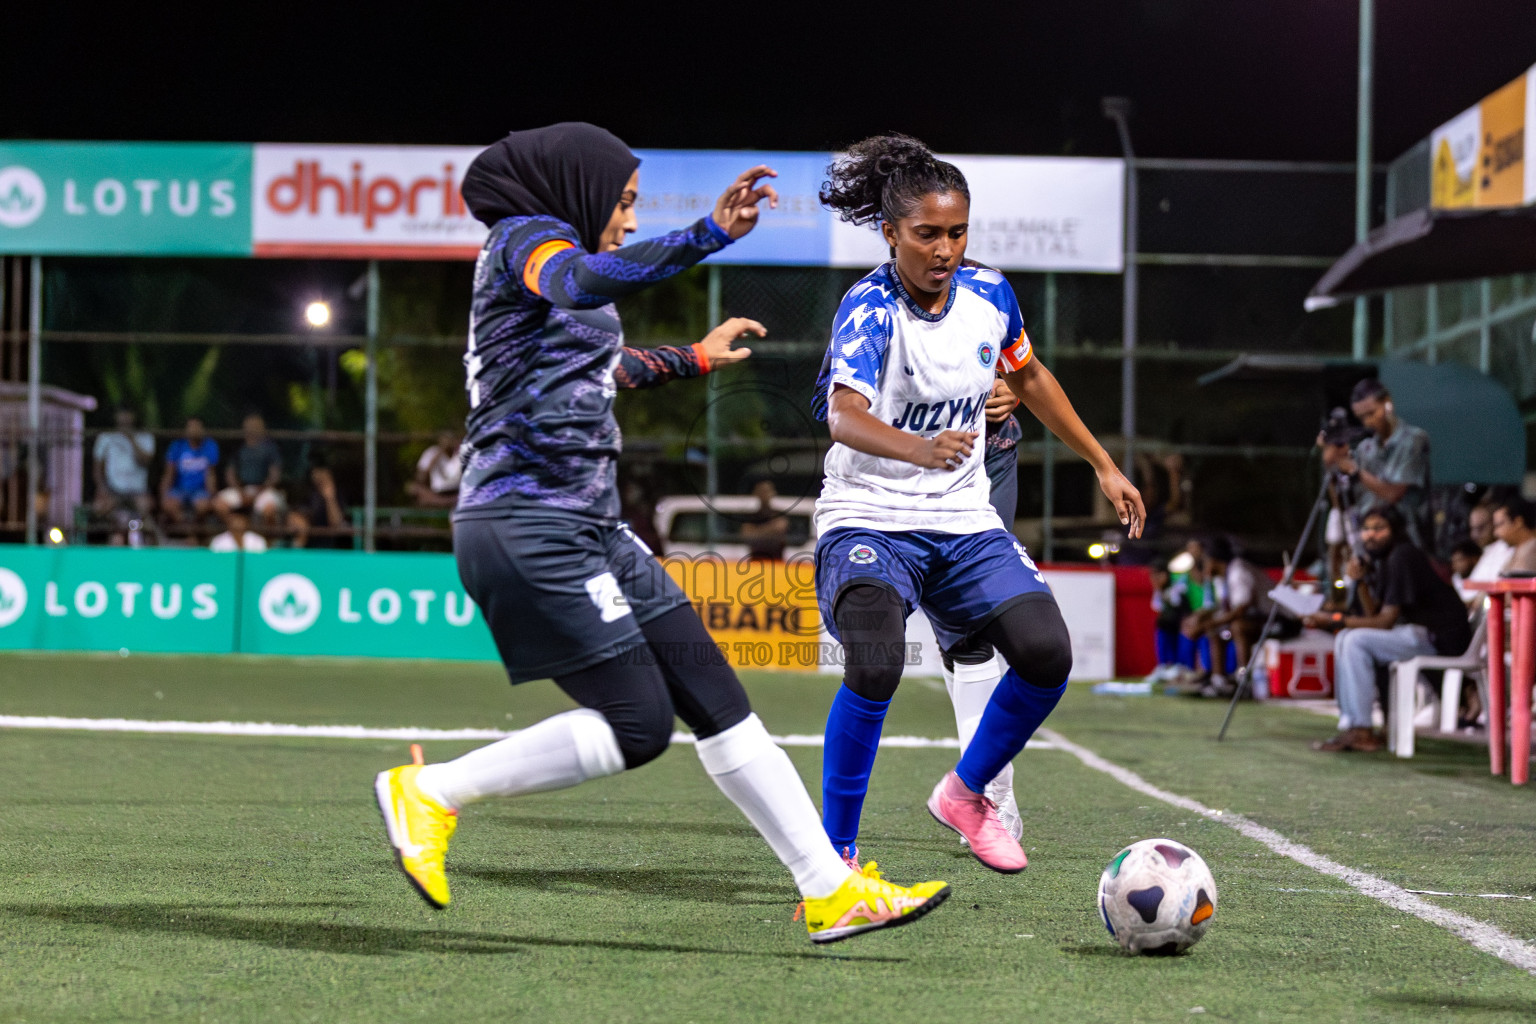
x=437 y=473
x=239 y=537
x=1496 y=554
x=121 y=459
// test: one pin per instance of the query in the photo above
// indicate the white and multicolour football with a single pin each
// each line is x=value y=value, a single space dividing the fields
x=1157 y=897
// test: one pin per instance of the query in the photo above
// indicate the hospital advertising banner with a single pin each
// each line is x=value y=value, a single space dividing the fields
x=1486 y=155
x=403 y=202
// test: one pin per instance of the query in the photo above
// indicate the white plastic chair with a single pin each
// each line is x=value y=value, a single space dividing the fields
x=1403 y=691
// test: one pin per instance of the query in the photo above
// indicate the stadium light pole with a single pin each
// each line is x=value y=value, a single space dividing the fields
x=1363 y=160
x=1118 y=110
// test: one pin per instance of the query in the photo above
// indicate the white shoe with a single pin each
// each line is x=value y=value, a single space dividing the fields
x=1000 y=792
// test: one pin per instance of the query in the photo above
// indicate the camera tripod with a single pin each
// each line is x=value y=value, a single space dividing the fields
x=1318 y=504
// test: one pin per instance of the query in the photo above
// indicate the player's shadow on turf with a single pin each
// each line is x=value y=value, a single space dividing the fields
x=1525 y=1008
x=354 y=939
x=667 y=883
x=698 y=828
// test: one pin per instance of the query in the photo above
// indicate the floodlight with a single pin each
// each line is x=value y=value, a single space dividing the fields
x=318 y=314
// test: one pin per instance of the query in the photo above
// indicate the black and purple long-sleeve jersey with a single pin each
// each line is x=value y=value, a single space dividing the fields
x=546 y=357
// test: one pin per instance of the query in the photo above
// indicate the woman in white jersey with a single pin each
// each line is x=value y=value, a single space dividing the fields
x=903 y=518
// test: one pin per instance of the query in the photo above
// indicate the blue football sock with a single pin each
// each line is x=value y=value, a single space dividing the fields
x=853 y=736
x=1013 y=714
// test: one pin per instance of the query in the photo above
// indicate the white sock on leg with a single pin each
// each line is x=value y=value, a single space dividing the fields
x=760 y=780
x=556 y=753
x=970 y=687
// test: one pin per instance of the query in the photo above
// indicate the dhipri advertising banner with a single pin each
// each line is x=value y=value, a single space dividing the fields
x=106 y=599
x=403 y=202
x=363 y=202
x=125 y=198
x=1486 y=155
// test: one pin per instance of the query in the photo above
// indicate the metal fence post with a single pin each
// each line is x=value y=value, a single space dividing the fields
x=34 y=398
x=712 y=418
x=371 y=412
x=1363 y=162
x=1048 y=452
x=1485 y=332
x=1118 y=110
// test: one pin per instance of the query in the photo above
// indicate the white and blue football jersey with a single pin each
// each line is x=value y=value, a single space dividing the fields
x=924 y=373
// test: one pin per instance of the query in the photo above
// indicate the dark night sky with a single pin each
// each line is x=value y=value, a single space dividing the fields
x=1211 y=78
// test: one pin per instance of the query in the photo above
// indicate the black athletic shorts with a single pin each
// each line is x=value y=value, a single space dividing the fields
x=561 y=592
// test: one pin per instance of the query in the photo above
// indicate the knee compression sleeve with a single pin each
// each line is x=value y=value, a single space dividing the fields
x=872 y=625
x=1033 y=639
x=703 y=686
x=632 y=698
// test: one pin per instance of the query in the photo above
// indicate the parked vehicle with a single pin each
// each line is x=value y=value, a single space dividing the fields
x=684 y=522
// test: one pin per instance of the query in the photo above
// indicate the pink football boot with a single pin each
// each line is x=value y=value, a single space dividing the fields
x=975 y=817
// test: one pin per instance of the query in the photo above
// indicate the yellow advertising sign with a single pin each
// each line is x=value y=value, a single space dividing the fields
x=1484 y=156
x=1501 y=156
x=761 y=614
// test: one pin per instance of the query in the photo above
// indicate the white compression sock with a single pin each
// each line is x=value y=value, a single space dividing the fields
x=558 y=752
x=970 y=687
x=760 y=780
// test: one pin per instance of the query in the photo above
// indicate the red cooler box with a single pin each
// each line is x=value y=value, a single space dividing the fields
x=1302 y=667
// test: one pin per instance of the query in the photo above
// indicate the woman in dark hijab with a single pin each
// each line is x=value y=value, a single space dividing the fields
x=566 y=588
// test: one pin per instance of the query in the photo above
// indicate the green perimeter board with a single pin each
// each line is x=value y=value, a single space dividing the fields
x=109 y=599
x=139 y=198
x=336 y=603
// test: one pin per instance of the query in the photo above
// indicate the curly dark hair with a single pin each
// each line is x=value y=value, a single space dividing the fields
x=885 y=177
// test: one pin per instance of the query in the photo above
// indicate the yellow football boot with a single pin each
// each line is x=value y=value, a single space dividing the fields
x=865 y=902
x=419 y=830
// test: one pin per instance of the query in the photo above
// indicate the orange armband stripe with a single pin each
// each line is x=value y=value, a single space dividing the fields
x=538 y=258
x=1017 y=355
x=702 y=356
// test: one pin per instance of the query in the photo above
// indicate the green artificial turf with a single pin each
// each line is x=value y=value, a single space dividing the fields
x=230 y=879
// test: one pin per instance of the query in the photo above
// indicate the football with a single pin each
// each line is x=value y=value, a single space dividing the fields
x=1157 y=897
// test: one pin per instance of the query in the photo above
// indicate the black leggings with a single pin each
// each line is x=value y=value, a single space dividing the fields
x=676 y=670
x=871 y=622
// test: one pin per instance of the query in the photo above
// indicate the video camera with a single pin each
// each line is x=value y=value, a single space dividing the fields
x=1339 y=428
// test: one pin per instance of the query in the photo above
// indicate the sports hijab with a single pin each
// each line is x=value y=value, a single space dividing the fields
x=572 y=171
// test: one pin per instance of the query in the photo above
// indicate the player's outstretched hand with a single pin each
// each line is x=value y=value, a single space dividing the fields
x=1126 y=500
x=947 y=450
x=717 y=343
x=736 y=210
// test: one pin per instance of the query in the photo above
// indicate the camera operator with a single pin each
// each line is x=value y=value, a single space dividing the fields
x=1390 y=467
x=1407 y=610
x=1339 y=436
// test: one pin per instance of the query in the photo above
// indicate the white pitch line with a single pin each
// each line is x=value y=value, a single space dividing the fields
x=361 y=732
x=1480 y=934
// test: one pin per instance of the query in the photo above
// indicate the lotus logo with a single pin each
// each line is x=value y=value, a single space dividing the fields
x=289 y=603
x=13 y=597
x=22 y=196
